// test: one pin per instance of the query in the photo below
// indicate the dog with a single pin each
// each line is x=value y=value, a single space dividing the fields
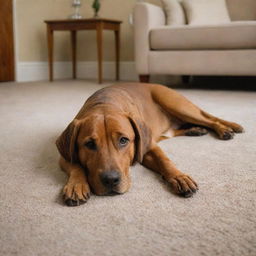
x=120 y=125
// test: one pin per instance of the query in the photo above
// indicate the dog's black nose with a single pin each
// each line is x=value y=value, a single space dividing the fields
x=110 y=178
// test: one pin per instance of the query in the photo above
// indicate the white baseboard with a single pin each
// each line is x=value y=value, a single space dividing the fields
x=37 y=71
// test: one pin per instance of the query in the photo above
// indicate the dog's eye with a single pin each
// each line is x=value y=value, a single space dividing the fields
x=91 y=145
x=123 y=141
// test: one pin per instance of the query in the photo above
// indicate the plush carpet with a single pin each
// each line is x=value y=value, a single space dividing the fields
x=148 y=220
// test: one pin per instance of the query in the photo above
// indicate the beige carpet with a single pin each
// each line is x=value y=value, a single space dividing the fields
x=148 y=220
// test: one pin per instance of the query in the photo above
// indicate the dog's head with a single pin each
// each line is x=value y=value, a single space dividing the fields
x=105 y=145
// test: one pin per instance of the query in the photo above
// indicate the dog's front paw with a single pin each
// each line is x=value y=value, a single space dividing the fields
x=76 y=194
x=183 y=185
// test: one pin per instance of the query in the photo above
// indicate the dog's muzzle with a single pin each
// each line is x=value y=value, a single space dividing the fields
x=110 y=179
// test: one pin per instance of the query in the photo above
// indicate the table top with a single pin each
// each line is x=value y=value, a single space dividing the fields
x=83 y=20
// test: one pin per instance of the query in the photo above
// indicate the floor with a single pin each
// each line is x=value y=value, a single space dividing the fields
x=148 y=220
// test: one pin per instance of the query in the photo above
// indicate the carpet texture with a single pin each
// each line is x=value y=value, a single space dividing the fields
x=148 y=220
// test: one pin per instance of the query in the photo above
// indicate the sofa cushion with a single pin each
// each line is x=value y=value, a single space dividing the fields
x=203 y=12
x=174 y=12
x=233 y=35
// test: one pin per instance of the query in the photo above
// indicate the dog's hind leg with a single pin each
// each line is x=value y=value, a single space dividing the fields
x=234 y=126
x=193 y=131
x=180 y=107
x=181 y=183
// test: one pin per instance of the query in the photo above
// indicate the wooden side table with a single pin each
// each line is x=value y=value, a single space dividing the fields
x=84 y=24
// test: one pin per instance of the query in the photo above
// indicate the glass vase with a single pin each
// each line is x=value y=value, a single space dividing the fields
x=76 y=4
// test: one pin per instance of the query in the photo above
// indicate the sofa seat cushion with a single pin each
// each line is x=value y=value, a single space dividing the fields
x=233 y=35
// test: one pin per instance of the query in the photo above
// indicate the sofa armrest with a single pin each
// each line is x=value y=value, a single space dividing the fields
x=146 y=17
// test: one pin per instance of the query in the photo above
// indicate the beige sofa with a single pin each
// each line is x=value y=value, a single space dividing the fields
x=223 y=49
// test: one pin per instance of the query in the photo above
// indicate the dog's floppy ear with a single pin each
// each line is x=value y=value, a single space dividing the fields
x=143 y=138
x=66 y=143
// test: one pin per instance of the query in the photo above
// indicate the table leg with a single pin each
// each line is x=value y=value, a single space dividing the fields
x=73 y=45
x=100 y=50
x=50 y=51
x=117 y=39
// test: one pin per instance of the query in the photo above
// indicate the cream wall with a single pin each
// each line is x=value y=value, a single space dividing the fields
x=31 y=30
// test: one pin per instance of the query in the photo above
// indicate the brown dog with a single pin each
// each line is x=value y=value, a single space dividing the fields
x=120 y=125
